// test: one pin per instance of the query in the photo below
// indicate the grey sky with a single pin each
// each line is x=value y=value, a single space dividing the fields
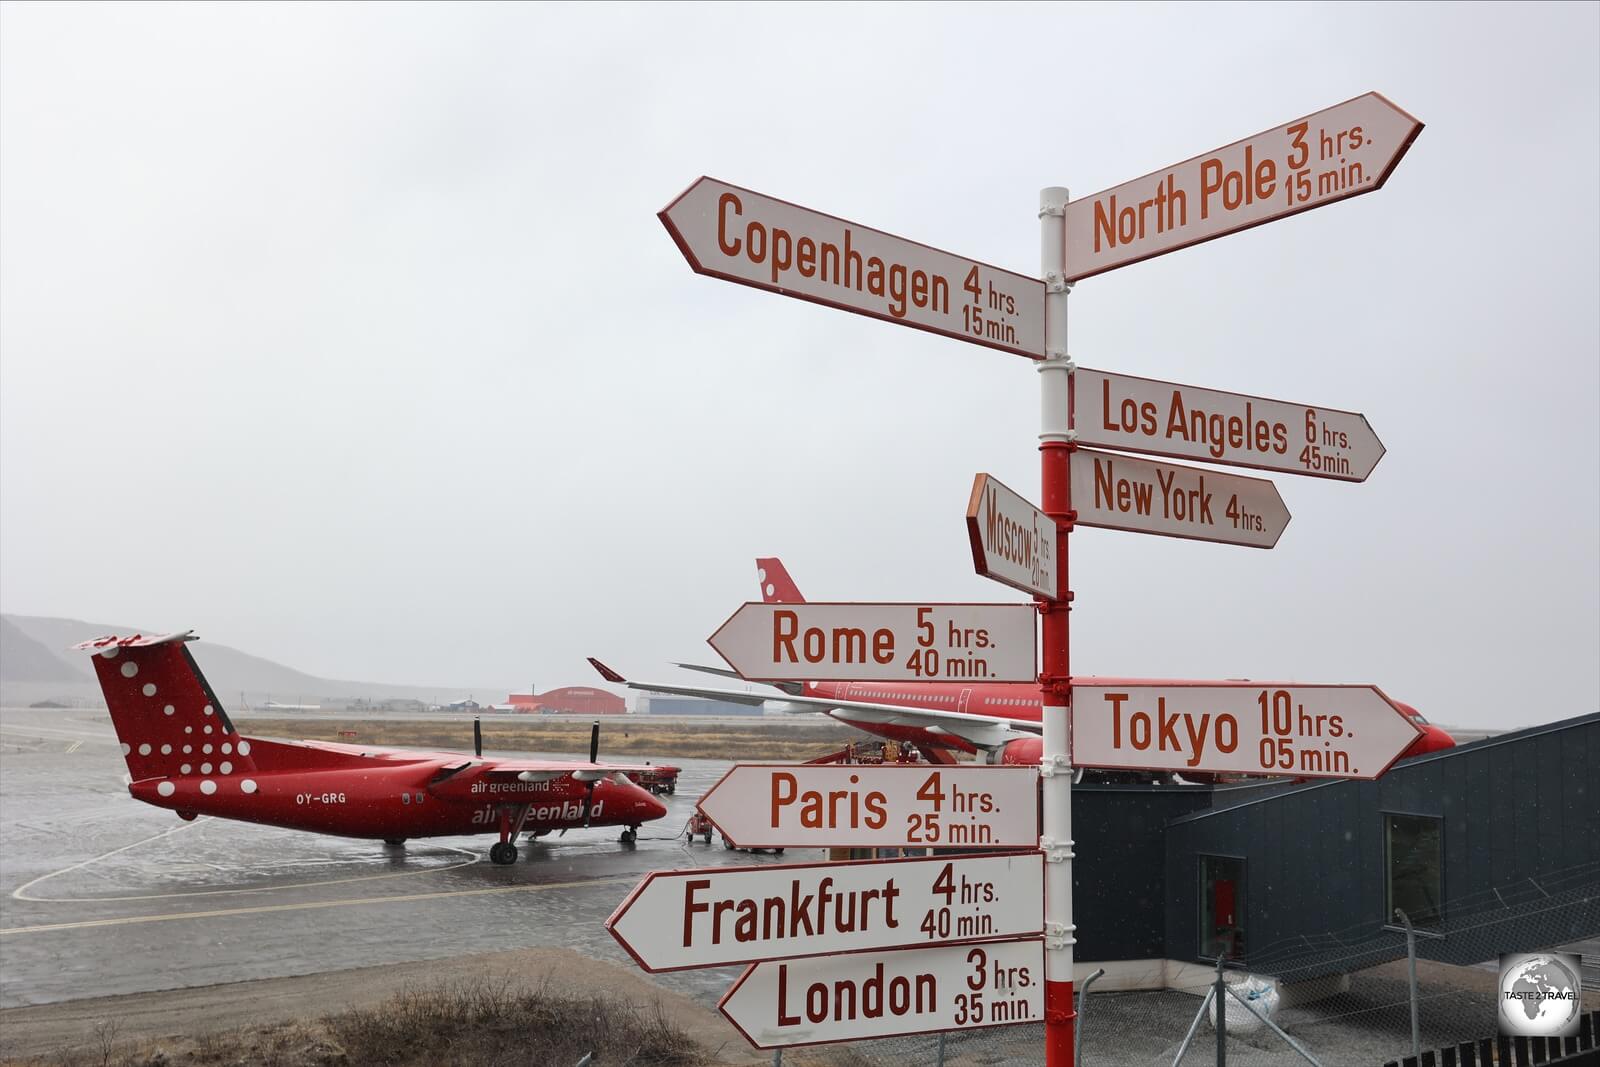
x=348 y=335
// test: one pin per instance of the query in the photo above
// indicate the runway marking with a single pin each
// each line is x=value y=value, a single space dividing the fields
x=74 y=746
x=401 y=898
x=21 y=892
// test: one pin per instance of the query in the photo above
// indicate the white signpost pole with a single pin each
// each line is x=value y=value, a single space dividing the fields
x=1055 y=762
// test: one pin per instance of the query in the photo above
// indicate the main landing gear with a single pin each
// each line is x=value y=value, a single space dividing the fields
x=504 y=852
x=630 y=835
x=394 y=842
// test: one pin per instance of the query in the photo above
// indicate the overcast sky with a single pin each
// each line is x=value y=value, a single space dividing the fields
x=348 y=336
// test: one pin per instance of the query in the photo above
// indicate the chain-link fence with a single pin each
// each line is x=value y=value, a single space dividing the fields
x=1345 y=997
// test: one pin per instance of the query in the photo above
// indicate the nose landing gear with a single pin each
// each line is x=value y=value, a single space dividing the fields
x=630 y=835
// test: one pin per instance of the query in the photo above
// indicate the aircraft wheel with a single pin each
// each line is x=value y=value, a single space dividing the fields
x=394 y=842
x=777 y=852
x=629 y=836
x=503 y=853
x=708 y=837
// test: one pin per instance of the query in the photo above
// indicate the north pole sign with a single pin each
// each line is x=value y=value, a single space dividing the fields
x=1339 y=152
x=710 y=918
x=1186 y=422
x=1013 y=542
x=762 y=805
x=882 y=994
x=880 y=642
x=1143 y=496
x=1305 y=731
x=742 y=236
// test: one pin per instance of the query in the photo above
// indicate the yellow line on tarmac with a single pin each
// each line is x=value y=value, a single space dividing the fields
x=401 y=898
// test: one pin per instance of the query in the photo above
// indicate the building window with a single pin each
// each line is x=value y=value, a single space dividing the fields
x=1221 y=907
x=1414 y=862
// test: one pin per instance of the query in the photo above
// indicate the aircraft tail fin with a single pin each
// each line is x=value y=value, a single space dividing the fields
x=776 y=585
x=170 y=723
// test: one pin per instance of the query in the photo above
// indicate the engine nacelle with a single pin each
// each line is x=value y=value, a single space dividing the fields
x=1024 y=752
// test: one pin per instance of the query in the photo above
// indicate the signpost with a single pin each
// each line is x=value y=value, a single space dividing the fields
x=884 y=994
x=758 y=805
x=1341 y=151
x=880 y=642
x=1248 y=728
x=1143 y=496
x=1013 y=542
x=1187 y=422
x=745 y=237
x=681 y=919
x=1305 y=731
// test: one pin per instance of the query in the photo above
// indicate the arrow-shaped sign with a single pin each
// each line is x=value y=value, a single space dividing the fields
x=882 y=994
x=1143 y=496
x=1013 y=542
x=680 y=919
x=1187 y=422
x=880 y=642
x=760 y=805
x=1305 y=731
x=745 y=237
x=1342 y=151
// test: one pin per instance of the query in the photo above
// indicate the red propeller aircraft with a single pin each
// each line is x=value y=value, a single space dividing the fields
x=1000 y=719
x=184 y=753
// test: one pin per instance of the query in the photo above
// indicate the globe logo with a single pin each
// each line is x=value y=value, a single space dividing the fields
x=1539 y=994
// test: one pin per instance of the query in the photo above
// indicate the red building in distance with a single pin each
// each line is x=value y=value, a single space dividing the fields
x=570 y=700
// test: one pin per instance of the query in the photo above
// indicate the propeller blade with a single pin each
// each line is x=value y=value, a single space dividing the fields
x=477 y=736
x=594 y=741
x=588 y=803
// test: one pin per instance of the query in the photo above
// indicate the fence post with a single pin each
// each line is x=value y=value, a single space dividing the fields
x=1221 y=999
x=1083 y=1002
x=940 y=1061
x=1411 y=963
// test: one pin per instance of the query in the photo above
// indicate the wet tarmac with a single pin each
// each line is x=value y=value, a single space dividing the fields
x=102 y=895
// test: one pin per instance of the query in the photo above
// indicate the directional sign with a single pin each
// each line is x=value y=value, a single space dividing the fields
x=760 y=805
x=1142 y=496
x=880 y=642
x=745 y=237
x=1187 y=422
x=1343 y=151
x=881 y=994
x=1307 y=731
x=680 y=919
x=1013 y=542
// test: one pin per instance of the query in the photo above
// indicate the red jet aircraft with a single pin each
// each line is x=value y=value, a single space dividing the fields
x=184 y=753
x=1000 y=719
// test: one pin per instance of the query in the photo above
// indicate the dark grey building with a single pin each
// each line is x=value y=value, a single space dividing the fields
x=1489 y=847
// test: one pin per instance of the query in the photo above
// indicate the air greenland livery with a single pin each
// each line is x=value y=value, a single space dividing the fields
x=184 y=754
x=1001 y=721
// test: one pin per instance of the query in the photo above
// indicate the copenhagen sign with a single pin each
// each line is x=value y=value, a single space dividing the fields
x=880 y=642
x=742 y=236
x=790 y=805
x=682 y=919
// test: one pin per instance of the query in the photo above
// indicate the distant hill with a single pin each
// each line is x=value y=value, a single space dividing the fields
x=37 y=663
x=24 y=659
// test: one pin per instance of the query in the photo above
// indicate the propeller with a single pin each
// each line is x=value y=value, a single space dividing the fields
x=477 y=736
x=594 y=754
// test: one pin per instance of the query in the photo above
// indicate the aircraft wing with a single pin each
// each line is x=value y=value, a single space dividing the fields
x=982 y=731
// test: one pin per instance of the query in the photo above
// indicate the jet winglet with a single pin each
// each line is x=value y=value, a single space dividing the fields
x=606 y=672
